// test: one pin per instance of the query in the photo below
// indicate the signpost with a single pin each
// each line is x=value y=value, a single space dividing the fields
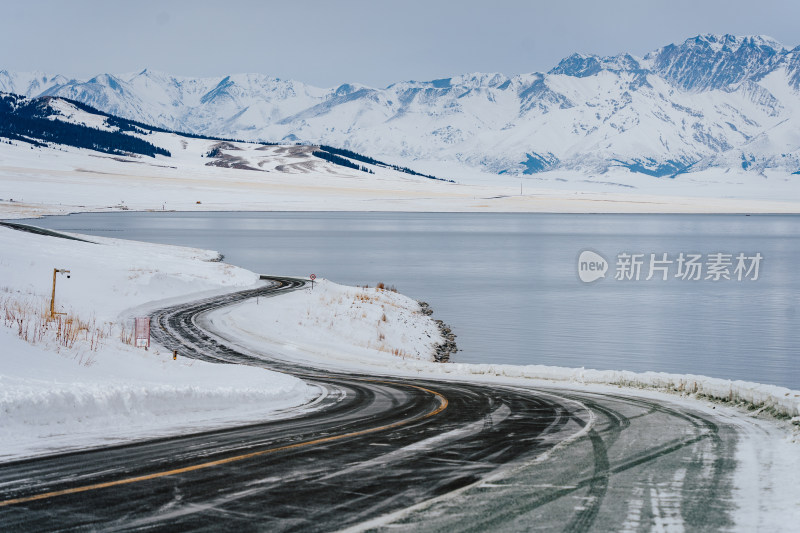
x=313 y=277
x=53 y=298
x=143 y=332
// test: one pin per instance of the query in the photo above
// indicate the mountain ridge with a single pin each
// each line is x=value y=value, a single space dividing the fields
x=712 y=102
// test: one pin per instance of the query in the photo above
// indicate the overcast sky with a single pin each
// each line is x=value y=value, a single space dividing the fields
x=326 y=43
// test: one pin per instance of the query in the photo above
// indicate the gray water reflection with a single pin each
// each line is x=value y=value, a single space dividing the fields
x=507 y=283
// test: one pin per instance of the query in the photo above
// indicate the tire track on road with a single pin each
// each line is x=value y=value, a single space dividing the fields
x=393 y=413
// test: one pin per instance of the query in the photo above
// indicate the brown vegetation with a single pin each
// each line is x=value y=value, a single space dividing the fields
x=29 y=316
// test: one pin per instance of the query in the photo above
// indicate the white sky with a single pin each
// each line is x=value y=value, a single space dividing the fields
x=326 y=43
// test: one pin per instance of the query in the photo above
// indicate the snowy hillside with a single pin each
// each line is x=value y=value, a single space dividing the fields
x=713 y=102
x=61 y=156
x=49 y=121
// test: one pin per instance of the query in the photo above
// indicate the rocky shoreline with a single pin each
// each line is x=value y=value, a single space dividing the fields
x=443 y=350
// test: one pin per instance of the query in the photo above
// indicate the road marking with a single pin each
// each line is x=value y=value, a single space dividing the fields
x=46 y=495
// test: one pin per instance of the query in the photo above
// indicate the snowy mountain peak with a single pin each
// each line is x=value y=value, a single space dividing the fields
x=710 y=101
x=150 y=74
x=716 y=61
x=345 y=89
x=582 y=65
x=730 y=43
x=108 y=80
x=479 y=79
x=25 y=83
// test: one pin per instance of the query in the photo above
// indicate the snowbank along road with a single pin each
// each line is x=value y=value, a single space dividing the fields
x=375 y=451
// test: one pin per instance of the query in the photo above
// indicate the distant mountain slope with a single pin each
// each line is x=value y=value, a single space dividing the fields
x=712 y=102
x=50 y=120
x=53 y=120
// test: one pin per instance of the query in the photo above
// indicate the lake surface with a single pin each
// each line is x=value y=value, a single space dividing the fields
x=508 y=284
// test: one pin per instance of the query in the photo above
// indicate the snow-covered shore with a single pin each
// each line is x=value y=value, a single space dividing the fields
x=335 y=323
x=62 y=180
x=78 y=390
x=311 y=340
x=775 y=400
x=75 y=383
x=328 y=327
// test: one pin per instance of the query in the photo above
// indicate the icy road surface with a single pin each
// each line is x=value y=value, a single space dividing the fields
x=392 y=451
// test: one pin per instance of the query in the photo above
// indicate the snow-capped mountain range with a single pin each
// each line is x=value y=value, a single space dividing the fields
x=712 y=102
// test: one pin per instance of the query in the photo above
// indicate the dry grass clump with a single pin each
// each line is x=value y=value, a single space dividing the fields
x=364 y=304
x=381 y=286
x=29 y=316
x=399 y=353
x=126 y=335
x=364 y=298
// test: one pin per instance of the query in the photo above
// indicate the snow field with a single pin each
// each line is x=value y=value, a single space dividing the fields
x=71 y=387
x=336 y=322
x=108 y=276
x=52 y=401
x=61 y=180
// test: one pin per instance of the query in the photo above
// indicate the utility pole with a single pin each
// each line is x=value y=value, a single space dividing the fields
x=53 y=298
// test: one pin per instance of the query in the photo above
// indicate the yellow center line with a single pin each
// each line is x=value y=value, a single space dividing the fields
x=46 y=495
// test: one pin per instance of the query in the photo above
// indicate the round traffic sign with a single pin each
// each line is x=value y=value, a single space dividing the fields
x=313 y=276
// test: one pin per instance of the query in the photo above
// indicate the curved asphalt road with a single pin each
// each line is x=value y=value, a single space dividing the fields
x=377 y=449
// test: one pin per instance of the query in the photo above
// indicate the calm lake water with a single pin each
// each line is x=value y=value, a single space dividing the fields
x=508 y=283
